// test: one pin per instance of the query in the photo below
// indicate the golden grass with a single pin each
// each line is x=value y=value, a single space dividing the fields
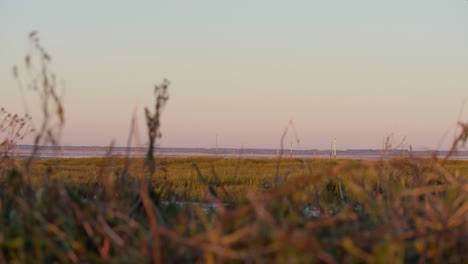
x=401 y=210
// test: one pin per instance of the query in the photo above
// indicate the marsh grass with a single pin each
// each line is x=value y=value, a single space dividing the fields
x=238 y=177
x=398 y=210
x=122 y=210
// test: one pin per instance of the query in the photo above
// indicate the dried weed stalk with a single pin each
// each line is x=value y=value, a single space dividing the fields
x=153 y=123
x=44 y=83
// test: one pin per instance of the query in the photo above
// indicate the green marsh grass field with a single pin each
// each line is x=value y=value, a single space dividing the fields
x=100 y=210
x=237 y=177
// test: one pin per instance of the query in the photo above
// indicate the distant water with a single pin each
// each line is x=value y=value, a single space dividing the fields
x=96 y=152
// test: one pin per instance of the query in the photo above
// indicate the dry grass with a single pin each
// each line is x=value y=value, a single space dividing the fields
x=398 y=210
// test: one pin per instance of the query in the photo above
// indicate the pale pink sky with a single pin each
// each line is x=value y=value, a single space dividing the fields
x=351 y=70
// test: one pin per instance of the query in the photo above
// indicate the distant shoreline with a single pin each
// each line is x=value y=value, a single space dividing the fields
x=99 y=151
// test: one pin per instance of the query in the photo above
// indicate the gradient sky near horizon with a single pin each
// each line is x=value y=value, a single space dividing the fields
x=350 y=70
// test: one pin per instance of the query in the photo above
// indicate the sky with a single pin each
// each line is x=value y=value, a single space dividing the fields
x=351 y=70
